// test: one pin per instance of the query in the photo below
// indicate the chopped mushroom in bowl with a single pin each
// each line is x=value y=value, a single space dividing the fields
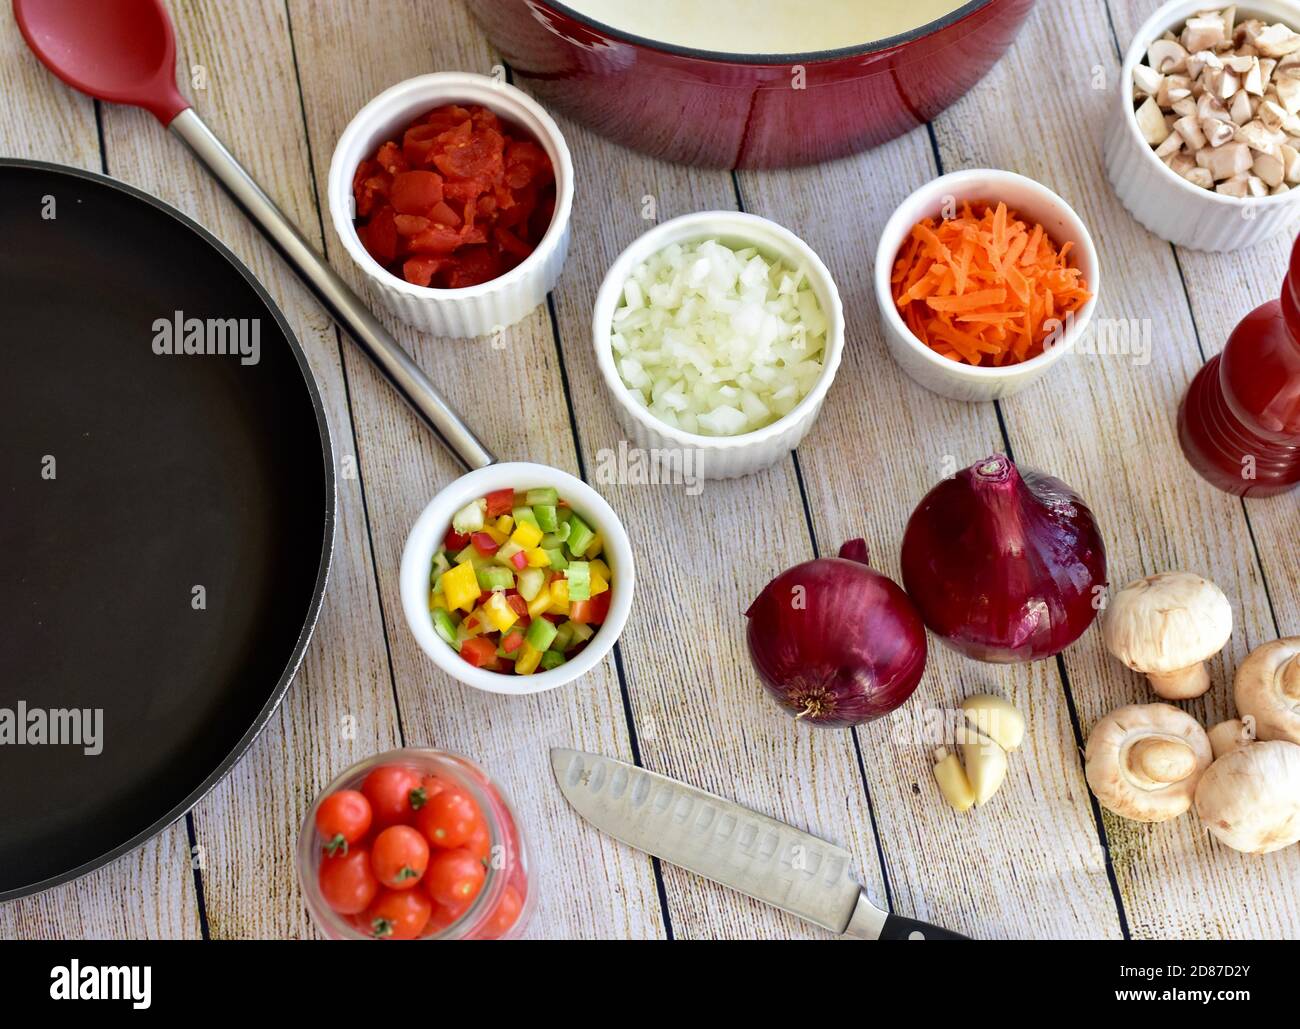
x=1203 y=147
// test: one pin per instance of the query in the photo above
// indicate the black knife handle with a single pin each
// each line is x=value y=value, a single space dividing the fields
x=898 y=928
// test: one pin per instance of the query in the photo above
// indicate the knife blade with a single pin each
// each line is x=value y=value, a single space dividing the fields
x=749 y=852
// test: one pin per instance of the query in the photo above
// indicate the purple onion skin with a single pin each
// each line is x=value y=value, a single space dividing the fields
x=853 y=651
x=1004 y=565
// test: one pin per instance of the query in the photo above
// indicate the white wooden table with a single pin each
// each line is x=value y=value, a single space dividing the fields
x=280 y=81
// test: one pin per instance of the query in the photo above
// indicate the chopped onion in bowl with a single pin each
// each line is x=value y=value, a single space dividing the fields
x=718 y=341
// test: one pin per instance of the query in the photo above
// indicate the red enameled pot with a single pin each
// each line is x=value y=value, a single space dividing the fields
x=743 y=110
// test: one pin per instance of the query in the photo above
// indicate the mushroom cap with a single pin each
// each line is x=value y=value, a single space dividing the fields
x=1250 y=798
x=1267 y=688
x=1167 y=622
x=1114 y=771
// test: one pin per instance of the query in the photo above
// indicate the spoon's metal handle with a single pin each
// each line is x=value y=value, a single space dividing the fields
x=346 y=307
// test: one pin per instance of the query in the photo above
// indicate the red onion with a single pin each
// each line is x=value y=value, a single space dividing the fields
x=835 y=642
x=1004 y=565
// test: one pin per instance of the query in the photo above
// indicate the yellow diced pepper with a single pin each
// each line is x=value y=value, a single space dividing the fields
x=539 y=605
x=598 y=582
x=460 y=586
x=593 y=548
x=437 y=600
x=526 y=662
x=498 y=537
x=505 y=523
x=598 y=567
x=559 y=592
x=537 y=558
x=499 y=611
x=526 y=535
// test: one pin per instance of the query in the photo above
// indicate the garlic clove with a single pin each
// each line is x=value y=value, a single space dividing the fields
x=996 y=718
x=953 y=784
x=986 y=766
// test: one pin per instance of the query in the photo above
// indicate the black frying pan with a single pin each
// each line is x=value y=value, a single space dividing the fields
x=170 y=472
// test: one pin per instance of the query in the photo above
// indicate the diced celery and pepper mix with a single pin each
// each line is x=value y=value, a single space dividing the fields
x=519 y=583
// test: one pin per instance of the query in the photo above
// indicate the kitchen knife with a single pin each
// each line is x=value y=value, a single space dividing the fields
x=732 y=845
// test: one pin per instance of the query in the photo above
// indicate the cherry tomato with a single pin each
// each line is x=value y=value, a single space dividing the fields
x=399 y=857
x=347 y=883
x=505 y=914
x=388 y=788
x=449 y=819
x=342 y=818
x=429 y=785
x=455 y=877
x=480 y=842
x=444 y=917
x=399 y=915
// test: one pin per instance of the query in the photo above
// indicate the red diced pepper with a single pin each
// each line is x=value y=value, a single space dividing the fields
x=519 y=560
x=517 y=604
x=500 y=502
x=456 y=541
x=591 y=612
x=512 y=641
x=479 y=651
x=484 y=543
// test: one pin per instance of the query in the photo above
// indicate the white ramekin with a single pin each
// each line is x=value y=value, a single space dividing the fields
x=1159 y=198
x=1030 y=199
x=427 y=535
x=473 y=310
x=719 y=457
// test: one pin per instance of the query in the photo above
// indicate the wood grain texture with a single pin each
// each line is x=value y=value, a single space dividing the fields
x=149 y=892
x=587 y=884
x=1105 y=424
x=1041 y=869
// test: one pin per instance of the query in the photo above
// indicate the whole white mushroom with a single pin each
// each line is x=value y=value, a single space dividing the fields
x=1143 y=761
x=1267 y=687
x=1166 y=626
x=1250 y=798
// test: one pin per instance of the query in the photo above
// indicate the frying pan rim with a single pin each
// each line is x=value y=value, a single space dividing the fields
x=276 y=697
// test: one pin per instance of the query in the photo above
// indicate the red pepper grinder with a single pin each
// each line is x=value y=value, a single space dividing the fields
x=1239 y=423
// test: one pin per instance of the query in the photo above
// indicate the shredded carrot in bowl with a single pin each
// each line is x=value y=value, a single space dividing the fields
x=985 y=287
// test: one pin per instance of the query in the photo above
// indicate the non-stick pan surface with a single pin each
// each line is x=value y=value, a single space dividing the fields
x=166 y=521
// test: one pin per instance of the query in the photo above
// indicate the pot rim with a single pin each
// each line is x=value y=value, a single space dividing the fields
x=807 y=57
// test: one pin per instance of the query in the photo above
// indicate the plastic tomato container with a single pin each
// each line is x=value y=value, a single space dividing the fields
x=507 y=864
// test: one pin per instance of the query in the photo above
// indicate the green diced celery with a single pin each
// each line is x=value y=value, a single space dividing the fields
x=558 y=561
x=468 y=554
x=563 y=638
x=581 y=632
x=551 y=659
x=579 y=575
x=550 y=541
x=540 y=634
x=545 y=514
x=470 y=517
x=494 y=577
x=542 y=495
x=531 y=581
x=525 y=514
x=563 y=529
x=440 y=565
x=445 y=626
x=580 y=536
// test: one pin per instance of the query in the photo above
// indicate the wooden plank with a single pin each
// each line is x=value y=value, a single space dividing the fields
x=587 y=885
x=1221 y=289
x=341 y=707
x=1104 y=423
x=1041 y=869
x=149 y=892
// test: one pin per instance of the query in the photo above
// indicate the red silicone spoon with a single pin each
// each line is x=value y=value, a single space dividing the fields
x=124 y=51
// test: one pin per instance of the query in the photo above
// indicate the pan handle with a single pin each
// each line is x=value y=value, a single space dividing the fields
x=346 y=307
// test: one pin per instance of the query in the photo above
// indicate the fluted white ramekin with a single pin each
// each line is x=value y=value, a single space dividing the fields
x=718 y=457
x=474 y=310
x=1032 y=200
x=1157 y=196
x=431 y=527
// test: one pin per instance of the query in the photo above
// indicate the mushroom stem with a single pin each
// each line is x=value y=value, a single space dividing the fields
x=1182 y=684
x=1161 y=760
